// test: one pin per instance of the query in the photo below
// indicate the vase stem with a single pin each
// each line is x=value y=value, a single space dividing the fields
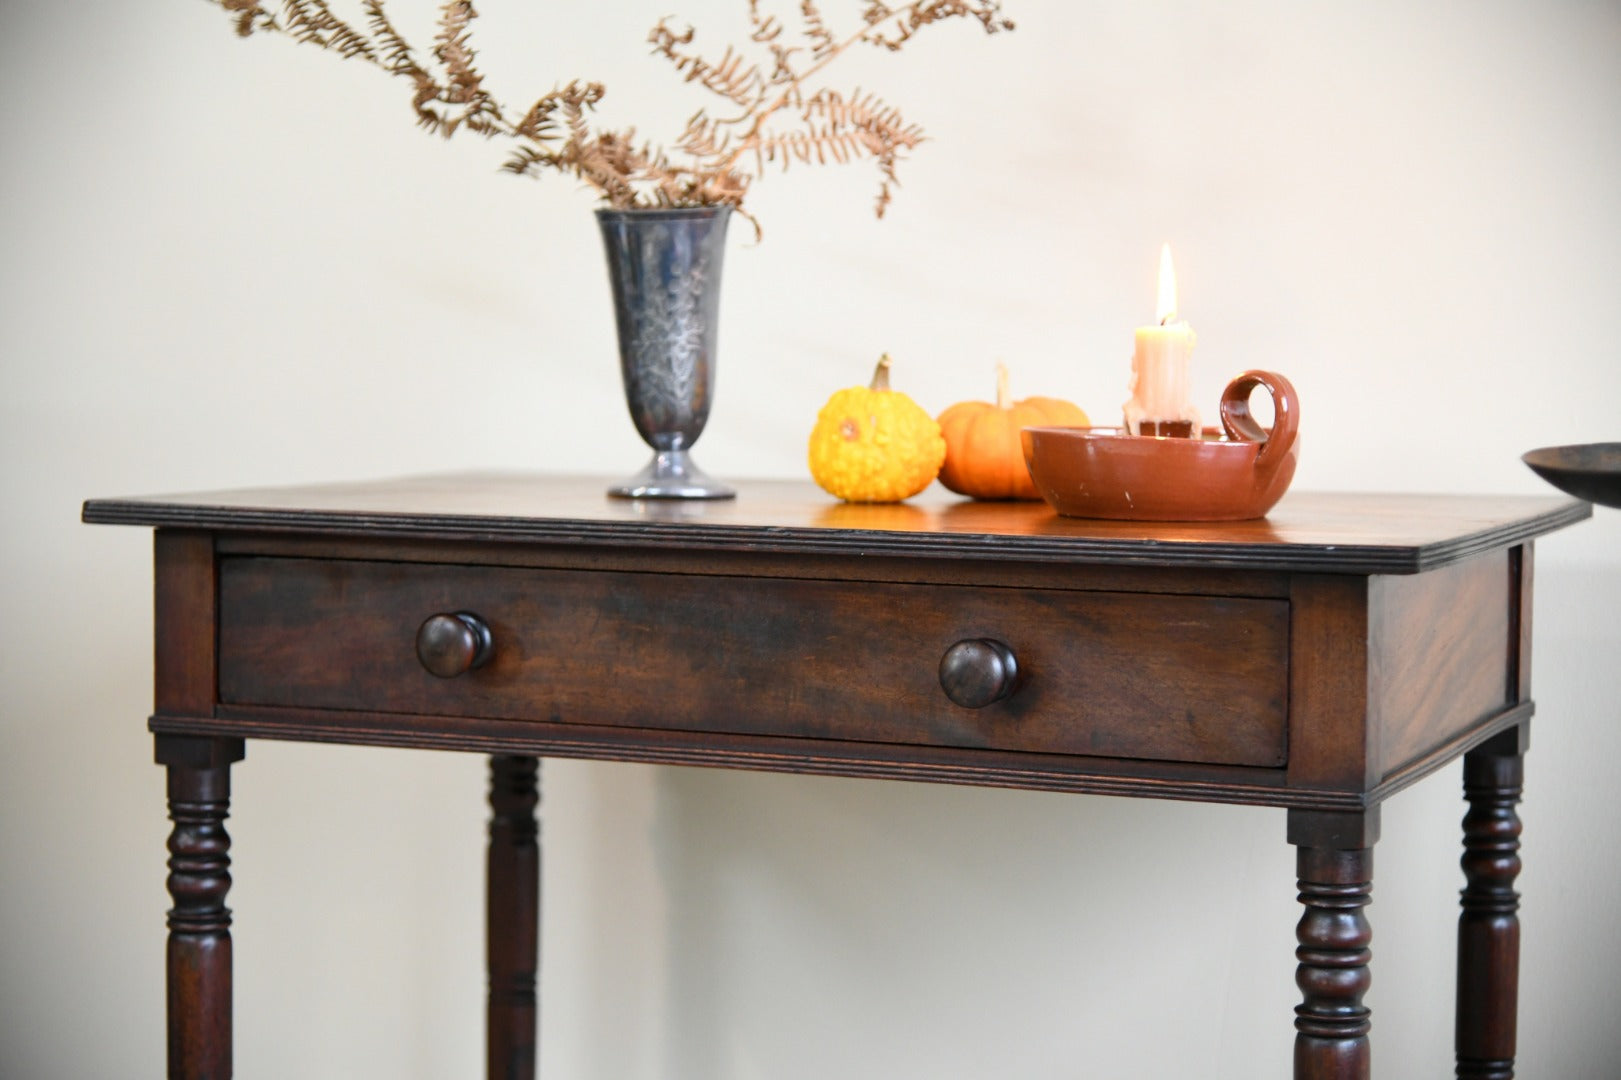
x=672 y=474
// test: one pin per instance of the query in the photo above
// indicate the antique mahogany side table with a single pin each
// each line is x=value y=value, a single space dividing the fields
x=1317 y=660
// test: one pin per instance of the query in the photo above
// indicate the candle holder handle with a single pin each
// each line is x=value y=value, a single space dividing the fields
x=1241 y=425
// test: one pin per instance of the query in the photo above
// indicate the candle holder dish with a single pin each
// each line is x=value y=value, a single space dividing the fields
x=1233 y=474
x=1590 y=471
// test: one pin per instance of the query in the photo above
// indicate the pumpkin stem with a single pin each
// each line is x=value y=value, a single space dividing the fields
x=1002 y=401
x=880 y=376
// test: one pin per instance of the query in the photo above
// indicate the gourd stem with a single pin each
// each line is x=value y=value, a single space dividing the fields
x=880 y=377
x=1002 y=401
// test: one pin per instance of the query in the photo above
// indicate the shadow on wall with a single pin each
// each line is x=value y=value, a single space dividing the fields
x=855 y=928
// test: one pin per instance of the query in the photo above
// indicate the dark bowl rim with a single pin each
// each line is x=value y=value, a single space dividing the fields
x=1553 y=457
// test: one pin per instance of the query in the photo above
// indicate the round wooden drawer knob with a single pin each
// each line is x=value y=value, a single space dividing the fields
x=977 y=672
x=451 y=645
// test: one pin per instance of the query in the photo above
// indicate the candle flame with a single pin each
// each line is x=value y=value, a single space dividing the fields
x=1167 y=287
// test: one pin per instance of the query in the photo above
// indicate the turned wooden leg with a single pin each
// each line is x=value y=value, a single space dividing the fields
x=1335 y=868
x=199 y=953
x=1489 y=925
x=512 y=918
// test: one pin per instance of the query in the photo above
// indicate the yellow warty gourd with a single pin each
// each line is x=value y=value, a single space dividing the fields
x=874 y=444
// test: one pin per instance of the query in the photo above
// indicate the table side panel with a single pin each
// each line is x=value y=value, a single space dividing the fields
x=1522 y=564
x=1444 y=654
x=1131 y=675
x=1328 y=683
x=184 y=600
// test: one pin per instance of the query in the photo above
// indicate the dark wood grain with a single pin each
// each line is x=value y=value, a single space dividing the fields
x=452 y=644
x=184 y=622
x=1319 y=659
x=1334 y=533
x=977 y=672
x=1163 y=677
x=199 y=946
x=1328 y=683
x=1439 y=643
x=1523 y=563
x=819 y=757
x=1332 y=1023
x=512 y=919
x=1489 y=924
x=817 y=566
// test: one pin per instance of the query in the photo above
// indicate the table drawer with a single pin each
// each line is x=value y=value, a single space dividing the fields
x=1117 y=674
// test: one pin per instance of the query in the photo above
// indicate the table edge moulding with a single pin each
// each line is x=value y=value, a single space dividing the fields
x=1319 y=660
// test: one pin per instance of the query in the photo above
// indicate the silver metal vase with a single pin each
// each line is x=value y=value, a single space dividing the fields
x=664 y=266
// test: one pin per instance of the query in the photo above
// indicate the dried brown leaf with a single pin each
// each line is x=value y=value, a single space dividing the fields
x=555 y=134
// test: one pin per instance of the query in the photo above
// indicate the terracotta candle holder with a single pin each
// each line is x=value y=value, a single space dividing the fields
x=1237 y=473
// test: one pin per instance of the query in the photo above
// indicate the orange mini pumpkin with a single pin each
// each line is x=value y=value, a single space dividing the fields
x=984 y=458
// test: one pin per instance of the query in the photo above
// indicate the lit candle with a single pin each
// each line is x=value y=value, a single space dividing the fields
x=1161 y=403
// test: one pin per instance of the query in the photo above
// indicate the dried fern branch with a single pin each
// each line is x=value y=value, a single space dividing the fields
x=827 y=126
x=774 y=115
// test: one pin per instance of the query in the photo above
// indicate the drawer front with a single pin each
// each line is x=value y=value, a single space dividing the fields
x=1181 y=678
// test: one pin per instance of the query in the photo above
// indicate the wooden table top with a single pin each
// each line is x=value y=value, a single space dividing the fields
x=1335 y=533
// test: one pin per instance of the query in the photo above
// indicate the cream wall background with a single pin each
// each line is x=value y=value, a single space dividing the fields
x=230 y=263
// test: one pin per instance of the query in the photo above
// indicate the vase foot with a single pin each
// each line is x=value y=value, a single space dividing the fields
x=672 y=474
